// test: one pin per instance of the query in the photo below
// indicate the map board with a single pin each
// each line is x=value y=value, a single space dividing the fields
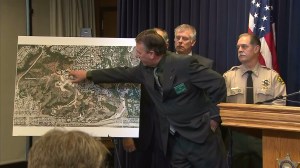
x=46 y=99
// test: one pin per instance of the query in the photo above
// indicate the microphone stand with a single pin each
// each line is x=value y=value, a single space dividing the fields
x=278 y=97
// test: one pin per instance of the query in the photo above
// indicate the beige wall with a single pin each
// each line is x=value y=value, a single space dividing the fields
x=41 y=18
x=12 y=25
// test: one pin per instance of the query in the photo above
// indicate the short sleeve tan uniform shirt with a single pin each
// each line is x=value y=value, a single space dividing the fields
x=267 y=84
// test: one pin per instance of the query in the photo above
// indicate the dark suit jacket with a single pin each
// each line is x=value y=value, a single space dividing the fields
x=204 y=61
x=190 y=94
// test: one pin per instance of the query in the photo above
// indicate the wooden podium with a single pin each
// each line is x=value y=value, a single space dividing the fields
x=280 y=127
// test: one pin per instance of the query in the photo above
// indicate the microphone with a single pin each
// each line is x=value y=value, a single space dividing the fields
x=278 y=97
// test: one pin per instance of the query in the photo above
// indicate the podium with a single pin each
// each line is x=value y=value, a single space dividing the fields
x=280 y=126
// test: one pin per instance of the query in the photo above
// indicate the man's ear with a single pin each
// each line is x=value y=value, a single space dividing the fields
x=152 y=54
x=257 y=49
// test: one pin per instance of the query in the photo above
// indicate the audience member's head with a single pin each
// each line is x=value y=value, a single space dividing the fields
x=164 y=35
x=185 y=38
x=67 y=149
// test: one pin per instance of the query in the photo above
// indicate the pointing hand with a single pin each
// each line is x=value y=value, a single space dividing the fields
x=78 y=75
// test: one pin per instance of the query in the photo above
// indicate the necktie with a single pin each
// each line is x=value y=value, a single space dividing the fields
x=249 y=91
x=157 y=81
x=156 y=76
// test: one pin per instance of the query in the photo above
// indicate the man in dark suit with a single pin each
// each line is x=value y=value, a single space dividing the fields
x=146 y=151
x=185 y=39
x=185 y=94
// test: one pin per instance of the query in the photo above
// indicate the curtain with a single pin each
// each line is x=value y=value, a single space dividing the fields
x=68 y=17
x=288 y=44
x=218 y=24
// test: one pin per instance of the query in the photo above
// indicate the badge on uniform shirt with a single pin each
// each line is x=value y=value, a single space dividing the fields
x=265 y=84
x=180 y=88
x=279 y=79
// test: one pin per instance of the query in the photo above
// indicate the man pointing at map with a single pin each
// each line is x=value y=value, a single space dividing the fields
x=185 y=94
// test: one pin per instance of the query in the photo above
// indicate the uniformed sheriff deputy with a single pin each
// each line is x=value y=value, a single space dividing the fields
x=266 y=84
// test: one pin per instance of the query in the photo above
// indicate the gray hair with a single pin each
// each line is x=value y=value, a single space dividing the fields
x=185 y=27
x=66 y=149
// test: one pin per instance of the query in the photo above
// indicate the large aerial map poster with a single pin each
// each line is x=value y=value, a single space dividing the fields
x=45 y=98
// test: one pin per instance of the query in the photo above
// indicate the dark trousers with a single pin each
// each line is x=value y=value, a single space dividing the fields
x=184 y=153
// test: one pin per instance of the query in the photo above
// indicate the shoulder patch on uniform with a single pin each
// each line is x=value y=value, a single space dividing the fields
x=279 y=79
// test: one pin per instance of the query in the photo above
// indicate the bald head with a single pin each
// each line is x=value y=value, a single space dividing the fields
x=164 y=34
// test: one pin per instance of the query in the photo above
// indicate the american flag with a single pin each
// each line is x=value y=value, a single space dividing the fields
x=261 y=24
